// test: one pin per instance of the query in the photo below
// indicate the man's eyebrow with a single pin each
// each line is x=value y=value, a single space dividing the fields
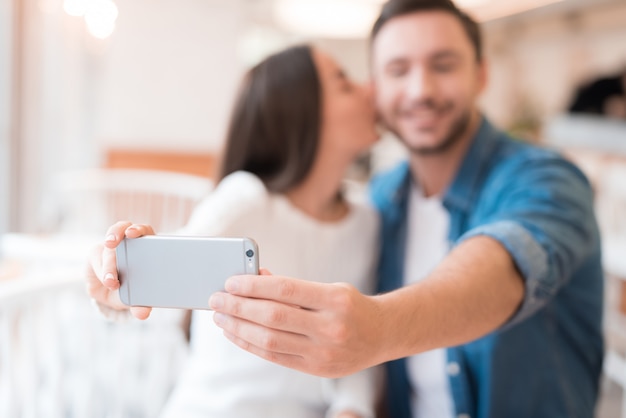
x=396 y=60
x=445 y=54
x=437 y=55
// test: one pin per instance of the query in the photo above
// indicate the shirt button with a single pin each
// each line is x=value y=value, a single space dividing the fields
x=453 y=369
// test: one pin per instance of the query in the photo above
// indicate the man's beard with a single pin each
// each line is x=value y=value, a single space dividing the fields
x=458 y=128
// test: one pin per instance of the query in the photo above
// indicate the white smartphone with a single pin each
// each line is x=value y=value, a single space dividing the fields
x=180 y=272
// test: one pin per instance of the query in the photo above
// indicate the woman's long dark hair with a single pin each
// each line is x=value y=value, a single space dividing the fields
x=275 y=125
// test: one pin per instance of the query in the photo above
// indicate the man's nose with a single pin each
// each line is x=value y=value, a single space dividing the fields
x=420 y=85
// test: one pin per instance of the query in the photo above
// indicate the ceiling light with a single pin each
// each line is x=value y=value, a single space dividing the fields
x=75 y=7
x=485 y=10
x=327 y=18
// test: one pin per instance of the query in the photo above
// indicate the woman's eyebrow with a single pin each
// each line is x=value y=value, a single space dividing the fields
x=340 y=74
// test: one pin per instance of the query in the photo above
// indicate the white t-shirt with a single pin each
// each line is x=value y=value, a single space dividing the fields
x=427 y=245
x=221 y=380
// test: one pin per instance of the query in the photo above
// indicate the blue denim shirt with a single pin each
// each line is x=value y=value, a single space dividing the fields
x=545 y=362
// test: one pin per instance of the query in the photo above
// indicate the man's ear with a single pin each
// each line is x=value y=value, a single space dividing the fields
x=482 y=74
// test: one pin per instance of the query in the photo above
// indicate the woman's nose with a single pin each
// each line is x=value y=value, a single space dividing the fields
x=368 y=90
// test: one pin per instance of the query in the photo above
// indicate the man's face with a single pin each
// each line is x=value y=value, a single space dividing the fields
x=427 y=79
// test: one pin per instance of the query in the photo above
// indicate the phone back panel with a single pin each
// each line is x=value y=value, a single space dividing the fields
x=180 y=272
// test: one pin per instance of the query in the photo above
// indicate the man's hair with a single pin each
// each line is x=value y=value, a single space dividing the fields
x=396 y=8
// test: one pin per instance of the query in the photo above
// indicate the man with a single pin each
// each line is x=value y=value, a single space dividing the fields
x=517 y=295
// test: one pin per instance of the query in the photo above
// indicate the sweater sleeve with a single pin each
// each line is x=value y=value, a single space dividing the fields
x=237 y=194
x=234 y=197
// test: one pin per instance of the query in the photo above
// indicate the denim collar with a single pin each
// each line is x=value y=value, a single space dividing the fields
x=462 y=193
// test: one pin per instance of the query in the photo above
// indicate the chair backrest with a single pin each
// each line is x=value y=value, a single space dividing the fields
x=88 y=201
x=60 y=359
x=611 y=200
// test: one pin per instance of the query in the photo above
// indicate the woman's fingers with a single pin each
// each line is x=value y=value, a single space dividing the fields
x=140 y=312
x=109 y=269
x=102 y=278
x=95 y=287
x=125 y=229
x=138 y=230
x=116 y=233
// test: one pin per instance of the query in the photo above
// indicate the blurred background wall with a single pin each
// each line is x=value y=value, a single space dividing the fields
x=164 y=75
x=5 y=105
x=538 y=59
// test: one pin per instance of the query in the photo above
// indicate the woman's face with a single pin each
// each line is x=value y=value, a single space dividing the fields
x=348 y=115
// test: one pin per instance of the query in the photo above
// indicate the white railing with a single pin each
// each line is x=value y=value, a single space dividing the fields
x=88 y=201
x=60 y=358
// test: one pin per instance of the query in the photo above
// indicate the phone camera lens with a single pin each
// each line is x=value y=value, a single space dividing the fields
x=249 y=253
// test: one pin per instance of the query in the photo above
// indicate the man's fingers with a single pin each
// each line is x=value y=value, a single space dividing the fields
x=288 y=360
x=267 y=339
x=267 y=313
x=309 y=295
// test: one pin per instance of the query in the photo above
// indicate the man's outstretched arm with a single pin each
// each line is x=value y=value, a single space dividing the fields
x=333 y=330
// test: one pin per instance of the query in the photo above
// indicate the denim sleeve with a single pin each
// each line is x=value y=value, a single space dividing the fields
x=541 y=211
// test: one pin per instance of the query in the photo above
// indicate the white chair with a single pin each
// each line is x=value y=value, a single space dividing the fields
x=88 y=201
x=60 y=359
x=611 y=212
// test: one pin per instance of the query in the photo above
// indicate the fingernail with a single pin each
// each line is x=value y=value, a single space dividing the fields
x=216 y=301
x=219 y=319
x=232 y=285
x=110 y=238
x=109 y=278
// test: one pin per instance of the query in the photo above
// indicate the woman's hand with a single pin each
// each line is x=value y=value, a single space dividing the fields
x=102 y=282
x=348 y=414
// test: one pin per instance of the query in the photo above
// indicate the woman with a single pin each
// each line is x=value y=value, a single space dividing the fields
x=298 y=124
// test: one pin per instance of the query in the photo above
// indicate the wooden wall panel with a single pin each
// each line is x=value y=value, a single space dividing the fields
x=197 y=163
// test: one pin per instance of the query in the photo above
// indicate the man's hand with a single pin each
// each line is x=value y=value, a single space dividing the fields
x=102 y=282
x=332 y=330
x=328 y=330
